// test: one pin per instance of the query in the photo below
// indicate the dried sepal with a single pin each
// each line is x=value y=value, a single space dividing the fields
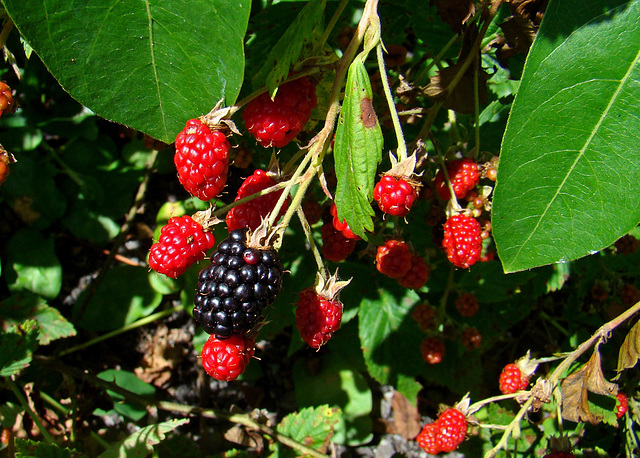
x=219 y=119
x=330 y=288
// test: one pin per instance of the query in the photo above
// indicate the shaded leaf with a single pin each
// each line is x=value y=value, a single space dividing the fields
x=575 y=388
x=148 y=65
x=128 y=381
x=32 y=264
x=357 y=151
x=289 y=47
x=17 y=347
x=455 y=12
x=569 y=170
x=51 y=323
x=630 y=349
x=140 y=443
x=27 y=448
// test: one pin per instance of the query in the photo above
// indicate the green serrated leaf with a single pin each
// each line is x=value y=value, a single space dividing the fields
x=149 y=65
x=337 y=384
x=30 y=448
x=380 y=320
x=16 y=347
x=140 y=443
x=312 y=426
x=569 y=170
x=51 y=323
x=32 y=264
x=289 y=47
x=357 y=151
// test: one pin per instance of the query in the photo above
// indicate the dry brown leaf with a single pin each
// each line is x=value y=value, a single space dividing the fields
x=162 y=351
x=629 y=350
x=575 y=388
x=406 y=418
x=455 y=12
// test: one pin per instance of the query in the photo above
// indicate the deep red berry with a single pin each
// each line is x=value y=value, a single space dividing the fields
x=467 y=304
x=512 y=379
x=559 y=455
x=424 y=315
x=312 y=211
x=227 y=359
x=250 y=214
x=417 y=275
x=622 y=404
x=428 y=439
x=276 y=122
x=7 y=103
x=462 y=241
x=627 y=244
x=202 y=159
x=471 y=339
x=432 y=350
x=6 y=159
x=317 y=317
x=629 y=294
x=335 y=246
x=393 y=259
x=342 y=226
x=394 y=196
x=464 y=176
x=452 y=429
x=182 y=243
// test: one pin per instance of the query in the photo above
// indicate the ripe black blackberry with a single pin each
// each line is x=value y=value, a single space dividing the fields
x=237 y=286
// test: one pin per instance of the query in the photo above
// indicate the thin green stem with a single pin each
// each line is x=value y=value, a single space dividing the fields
x=473 y=408
x=129 y=327
x=332 y=24
x=287 y=190
x=402 y=146
x=32 y=413
x=276 y=187
x=312 y=243
x=515 y=424
x=554 y=323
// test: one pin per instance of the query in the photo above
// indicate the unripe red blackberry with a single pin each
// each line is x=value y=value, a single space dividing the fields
x=428 y=439
x=6 y=159
x=462 y=241
x=202 y=159
x=250 y=214
x=425 y=315
x=227 y=359
x=182 y=243
x=432 y=350
x=452 y=429
x=464 y=176
x=622 y=404
x=512 y=379
x=395 y=196
x=335 y=246
x=233 y=292
x=467 y=304
x=276 y=122
x=7 y=102
x=471 y=339
x=342 y=226
x=417 y=275
x=393 y=259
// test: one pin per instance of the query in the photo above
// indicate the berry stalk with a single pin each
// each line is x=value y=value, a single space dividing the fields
x=312 y=243
x=402 y=146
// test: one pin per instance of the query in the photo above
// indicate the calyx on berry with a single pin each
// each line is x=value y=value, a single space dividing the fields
x=398 y=188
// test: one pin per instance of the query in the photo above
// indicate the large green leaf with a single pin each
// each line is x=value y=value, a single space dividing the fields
x=150 y=64
x=357 y=151
x=569 y=167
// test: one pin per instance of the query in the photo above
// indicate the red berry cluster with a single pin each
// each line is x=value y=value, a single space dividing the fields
x=342 y=226
x=445 y=434
x=462 y=240
x=250 y=214
x=182 y=243
x=467 y=304
x=425 y=315
x=464 y=176
x=276 y=122
x=202 y=159
x=622 y=404
x=395 y=196
x=512 y=379
x=471 y=339
x=335 y=246
x=317 y=317
x=226 y=359
x=432 y=350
